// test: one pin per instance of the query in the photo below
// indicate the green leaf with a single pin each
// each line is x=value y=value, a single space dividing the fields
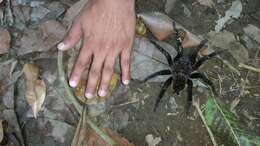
x=226 y=127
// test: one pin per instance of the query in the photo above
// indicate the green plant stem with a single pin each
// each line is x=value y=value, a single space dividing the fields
x=62 y=78
x=78 y=107
x=206 y=125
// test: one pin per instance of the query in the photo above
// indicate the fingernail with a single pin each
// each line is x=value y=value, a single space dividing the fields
x=61 y=46
x=72 y=84
x=126 y=82
x=102 y=93
x=89 y=95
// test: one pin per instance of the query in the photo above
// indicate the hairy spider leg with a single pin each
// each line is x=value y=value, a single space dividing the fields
x=205 y=80
x=194 y=53
x=161 y=72
x=205 y=58
x=189 y=92
x=164 y=52
x=179 y=47
x=165 y=86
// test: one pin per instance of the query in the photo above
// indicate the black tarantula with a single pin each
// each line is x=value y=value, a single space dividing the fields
x=183 y=68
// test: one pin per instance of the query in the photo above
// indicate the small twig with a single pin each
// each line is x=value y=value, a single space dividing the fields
x=220 y=84
x=62 y=78
x=205 y=123
x=78 y=107
x=242 y=65
x=228 y=64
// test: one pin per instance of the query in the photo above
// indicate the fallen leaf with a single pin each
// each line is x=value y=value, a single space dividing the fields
x=169 y=5
x=158 y=23
x=85 y=136
x=140 y=28
x=5 y=40
x=52 y=30
x=232 y=13
x=35 y=88
x=42 y=40
x=253 y=32
x=209 y=3
x=162 y=27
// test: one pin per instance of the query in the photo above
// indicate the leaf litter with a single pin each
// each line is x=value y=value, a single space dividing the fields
x=35 y=88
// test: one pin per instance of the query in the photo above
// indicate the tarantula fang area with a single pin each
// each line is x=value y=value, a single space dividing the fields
x=183 y=68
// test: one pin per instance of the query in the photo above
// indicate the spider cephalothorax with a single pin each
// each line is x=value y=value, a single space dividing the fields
x=183 y=68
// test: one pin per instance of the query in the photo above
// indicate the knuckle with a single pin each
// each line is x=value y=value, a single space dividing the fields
x=94 y=73
x=108 y=68
x=125 y=61
x=80 y=64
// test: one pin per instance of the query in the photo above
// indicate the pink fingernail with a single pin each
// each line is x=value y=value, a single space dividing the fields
x=102 y=93
x=89 y=95
x=73 y=84
x=61 y=46
x=126 y=82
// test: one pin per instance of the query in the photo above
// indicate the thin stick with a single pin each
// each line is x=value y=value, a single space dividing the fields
x=78 y=107
x=242 y=65
x=205 y=123
x=62 y=78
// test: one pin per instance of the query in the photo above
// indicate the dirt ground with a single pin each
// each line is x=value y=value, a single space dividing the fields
x=57 y=120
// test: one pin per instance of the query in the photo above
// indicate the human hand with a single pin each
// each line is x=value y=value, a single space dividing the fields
x=107 y=28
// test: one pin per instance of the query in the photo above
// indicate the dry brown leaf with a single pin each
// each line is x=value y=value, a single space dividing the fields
x=88 y=137
x=35 y=88
x=190 y=41
x=161 y=27
x=43 y=39
x=52 y=31
x=5 y=40
x=158 y=23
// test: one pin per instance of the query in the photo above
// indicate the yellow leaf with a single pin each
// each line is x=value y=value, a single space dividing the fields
x=140 y=27
x=35 y=88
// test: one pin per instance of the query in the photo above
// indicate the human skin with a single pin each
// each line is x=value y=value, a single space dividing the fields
x=107 y=28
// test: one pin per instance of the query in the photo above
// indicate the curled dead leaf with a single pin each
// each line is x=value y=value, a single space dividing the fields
x=88 y=137
x=5 y=40
x=94 y=140
x=140 y=27
x=158 y=23
x=35 y=88
x=162 y=26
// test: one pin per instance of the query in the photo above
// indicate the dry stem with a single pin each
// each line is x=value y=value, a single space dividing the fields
x=205 y=123
x=242 y=65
